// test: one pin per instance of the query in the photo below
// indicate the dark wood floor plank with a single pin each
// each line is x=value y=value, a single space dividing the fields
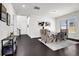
x=32 y=47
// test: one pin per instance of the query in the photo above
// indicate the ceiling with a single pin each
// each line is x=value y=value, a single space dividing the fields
x=46 y=9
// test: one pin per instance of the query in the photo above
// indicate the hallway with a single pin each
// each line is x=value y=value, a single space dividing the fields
x=32 y=47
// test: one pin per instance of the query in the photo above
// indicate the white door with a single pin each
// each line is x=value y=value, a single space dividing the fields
x=22 y=24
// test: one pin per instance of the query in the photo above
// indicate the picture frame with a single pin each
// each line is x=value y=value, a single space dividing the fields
x=3 y=15
x=8 y=19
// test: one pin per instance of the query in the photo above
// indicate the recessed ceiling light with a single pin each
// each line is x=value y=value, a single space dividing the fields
x=23 y=6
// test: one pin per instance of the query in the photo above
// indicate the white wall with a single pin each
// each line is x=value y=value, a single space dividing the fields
x=65 y=17
x=4 y=29
x=22 y=24
x=33 y=27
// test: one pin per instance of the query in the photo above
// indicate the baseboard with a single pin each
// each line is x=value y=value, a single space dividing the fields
x=36 y=38
x=73 y=39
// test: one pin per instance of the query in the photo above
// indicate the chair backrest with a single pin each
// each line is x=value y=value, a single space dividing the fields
x=61 y=35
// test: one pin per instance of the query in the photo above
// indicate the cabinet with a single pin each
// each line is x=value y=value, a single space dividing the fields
x=8 y=46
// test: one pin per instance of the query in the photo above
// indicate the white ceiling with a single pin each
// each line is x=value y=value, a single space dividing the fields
x=57 y=9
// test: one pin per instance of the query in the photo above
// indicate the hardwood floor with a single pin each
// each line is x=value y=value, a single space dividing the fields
x=32 y=47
